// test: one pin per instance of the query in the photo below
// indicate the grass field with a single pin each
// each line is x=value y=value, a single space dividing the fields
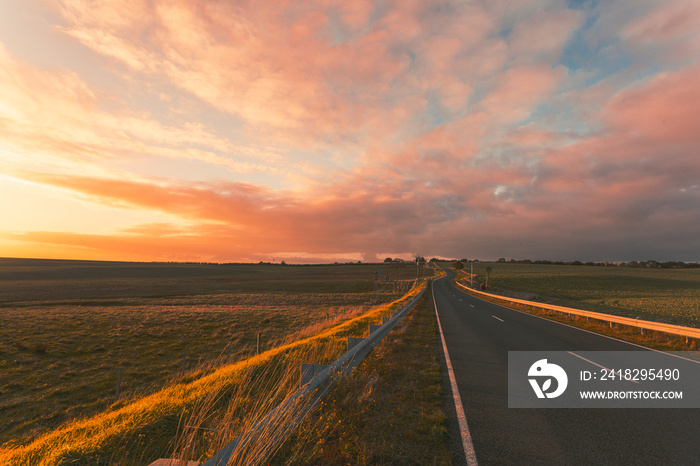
x=67 y=327
x=159 y=424
x=661 y=295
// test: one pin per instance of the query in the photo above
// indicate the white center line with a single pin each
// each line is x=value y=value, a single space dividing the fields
x=498 y=318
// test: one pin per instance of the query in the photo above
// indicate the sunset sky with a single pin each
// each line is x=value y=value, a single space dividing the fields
x=331 y=130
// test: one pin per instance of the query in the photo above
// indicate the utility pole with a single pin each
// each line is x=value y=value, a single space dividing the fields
x=471 y=273
x=376 y=278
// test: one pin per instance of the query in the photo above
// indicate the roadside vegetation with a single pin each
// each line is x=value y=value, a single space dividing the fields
x=69 y=331
x=387 y=411
x=154 y=425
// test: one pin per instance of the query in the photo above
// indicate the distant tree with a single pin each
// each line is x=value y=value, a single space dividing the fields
x=388 y=259
x=502 y=259
x=458 y=265
x=672 y=265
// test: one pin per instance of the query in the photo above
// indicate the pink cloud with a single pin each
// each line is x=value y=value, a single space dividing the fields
x=641 y=169
x=246 y=59
x=518 y=90
x=356 y=14
x=543 y=37
x=532 y=136
x=664 y=110
x=671 y=20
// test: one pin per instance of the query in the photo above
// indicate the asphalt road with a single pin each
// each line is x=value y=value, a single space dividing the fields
x=479 y=335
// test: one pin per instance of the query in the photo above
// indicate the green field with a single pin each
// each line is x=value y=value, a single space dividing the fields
x=66 y=327
x=661 y=295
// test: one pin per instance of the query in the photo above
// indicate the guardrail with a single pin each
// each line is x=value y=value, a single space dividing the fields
x=643 y=325
x=316 y=381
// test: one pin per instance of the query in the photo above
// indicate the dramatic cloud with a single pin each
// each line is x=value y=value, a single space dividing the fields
x=331 y=130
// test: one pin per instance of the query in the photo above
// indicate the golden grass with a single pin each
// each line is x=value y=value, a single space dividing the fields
x=60 y=362
x=147 y=428
x=382 y=413
x=259 y=414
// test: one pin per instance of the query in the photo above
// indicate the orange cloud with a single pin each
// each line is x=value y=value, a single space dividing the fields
x=54 y=115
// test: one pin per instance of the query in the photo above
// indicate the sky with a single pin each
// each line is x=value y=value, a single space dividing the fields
x=331 y=130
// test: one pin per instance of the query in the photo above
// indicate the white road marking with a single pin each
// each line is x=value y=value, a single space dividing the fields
x=469 y=452
x=498 y=318
x=471 y=305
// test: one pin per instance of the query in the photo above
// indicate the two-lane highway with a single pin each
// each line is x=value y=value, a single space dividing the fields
x=479 y=334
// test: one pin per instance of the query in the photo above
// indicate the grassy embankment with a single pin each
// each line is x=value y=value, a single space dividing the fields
x=67 y=326
x=387 y=411
x=660 y=295
x=147 y=428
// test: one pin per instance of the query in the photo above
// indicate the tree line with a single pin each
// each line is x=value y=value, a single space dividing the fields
x=636 y=264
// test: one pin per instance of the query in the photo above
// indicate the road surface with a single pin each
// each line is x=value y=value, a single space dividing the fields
x=478 y=336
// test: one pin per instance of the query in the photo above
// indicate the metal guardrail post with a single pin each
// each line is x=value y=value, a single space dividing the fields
x=352 y=342
x=308 y=371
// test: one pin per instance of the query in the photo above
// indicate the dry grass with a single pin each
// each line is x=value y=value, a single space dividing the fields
x=258 y=413
x=387 y=411
x=147 y=428
x=61 y=362
x=66 y=328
